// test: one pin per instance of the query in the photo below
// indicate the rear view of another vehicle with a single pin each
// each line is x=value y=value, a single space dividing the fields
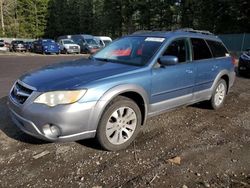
x=18 y=46
x=244 y=63
x=87 y=43
x=28 y=46
x=69 y=46
x=103 y=40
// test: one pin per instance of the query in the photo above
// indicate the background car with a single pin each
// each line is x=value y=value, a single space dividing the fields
x=17 y=46
x=69 y=46
x=3 y=46
x=28 y=45
x=244 y=63
x=103 y=40
x=87 y=43
x=46 y=46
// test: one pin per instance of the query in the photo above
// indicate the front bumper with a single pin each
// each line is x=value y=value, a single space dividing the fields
x=77 y=50
x=20 y=48
x=73 y=121
x=50 y=51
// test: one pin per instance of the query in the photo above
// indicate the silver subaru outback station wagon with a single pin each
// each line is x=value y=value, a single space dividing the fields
x=110 y=95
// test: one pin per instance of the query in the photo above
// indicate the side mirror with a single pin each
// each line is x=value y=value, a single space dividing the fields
x=168 y=60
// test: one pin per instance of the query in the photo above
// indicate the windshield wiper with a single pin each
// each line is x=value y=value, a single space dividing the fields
x=103 y=59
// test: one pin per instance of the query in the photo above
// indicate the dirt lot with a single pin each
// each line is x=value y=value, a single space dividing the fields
x=213 y=146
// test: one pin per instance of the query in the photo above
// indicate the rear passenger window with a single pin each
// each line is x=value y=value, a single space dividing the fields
x=217 y=48
x=200 y=49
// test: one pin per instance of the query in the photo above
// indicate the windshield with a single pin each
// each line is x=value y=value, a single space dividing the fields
x=130 y=50
x=68 y=42
x=91 y=41
x=18 y=42
x=106 y=42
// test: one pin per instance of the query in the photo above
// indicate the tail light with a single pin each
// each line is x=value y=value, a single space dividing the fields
x=234 y=60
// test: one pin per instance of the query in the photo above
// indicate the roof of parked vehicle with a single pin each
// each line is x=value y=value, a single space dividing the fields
x=181 y=32
x=48 y=40
x=103 y=37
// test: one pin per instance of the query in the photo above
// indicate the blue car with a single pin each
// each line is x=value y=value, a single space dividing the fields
x=110 y=95
x=46 y=46
x=244 y=63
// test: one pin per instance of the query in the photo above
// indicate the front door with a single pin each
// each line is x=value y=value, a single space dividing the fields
x=173 y=85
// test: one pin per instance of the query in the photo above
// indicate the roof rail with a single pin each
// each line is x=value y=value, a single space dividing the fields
x=148 y=31
x=195 y=31
x=142 y=31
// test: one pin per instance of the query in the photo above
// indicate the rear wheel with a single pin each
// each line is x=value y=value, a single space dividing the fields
x=119 y=125
x=219 y=95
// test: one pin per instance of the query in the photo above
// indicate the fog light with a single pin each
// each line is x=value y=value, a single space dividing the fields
x=51 y=131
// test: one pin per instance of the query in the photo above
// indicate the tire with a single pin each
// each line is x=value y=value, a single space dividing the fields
x=219 y=94
x=122 y=126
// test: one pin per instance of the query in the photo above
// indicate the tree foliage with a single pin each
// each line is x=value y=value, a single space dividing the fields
x=51 y=18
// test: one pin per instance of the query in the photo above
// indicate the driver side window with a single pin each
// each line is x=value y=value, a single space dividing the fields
x=178 y=48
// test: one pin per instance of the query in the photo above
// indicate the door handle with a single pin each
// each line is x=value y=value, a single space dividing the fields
x=189 y=71
x=215 y=67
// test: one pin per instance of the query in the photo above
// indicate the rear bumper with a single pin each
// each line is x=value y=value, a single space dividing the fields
x=73 y=121
x=244 y=66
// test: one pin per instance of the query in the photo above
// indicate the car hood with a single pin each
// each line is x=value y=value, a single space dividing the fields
x=50 y=44
x=93 y=46
x=73 y=75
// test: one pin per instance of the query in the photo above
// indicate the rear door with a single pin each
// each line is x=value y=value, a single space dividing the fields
x=173 y=85
x=206 y=67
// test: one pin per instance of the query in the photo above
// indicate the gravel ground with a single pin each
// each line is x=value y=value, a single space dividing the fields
x=189 y=147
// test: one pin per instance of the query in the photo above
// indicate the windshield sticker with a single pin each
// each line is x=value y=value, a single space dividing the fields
x=154 y=39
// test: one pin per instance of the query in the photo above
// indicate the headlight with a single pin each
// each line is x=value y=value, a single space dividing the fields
x=60 y=97
x=45 y=46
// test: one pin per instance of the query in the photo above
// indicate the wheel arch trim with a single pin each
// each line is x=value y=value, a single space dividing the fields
x=110 y=94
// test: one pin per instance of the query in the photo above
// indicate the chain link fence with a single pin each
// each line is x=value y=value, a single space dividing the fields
x=236 y=43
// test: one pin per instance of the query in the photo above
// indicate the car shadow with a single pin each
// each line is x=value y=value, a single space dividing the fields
x=10 y=129
x=202 y=105
x=90 y=143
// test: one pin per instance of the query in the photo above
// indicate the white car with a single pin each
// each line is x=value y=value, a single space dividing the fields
x=103 y=41
x=3 y=47
x=69 y=46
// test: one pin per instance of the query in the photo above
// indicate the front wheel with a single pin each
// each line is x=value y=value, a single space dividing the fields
x=119 y=125
x=219 y=95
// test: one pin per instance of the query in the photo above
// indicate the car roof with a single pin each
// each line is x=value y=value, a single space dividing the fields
x=177 y=33
x=103 y=37
x=67 y=39
x=47 y=40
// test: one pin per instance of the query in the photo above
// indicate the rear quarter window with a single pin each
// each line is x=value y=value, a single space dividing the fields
x=200 y=49
x=217 y=48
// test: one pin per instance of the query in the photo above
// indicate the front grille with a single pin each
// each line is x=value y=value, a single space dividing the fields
x=20 y=93
x=51 y=47
x=73 y=47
